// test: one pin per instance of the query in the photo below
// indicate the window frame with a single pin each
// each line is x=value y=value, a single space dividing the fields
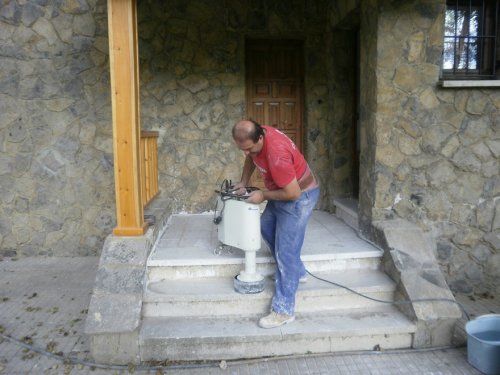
x=484 y=71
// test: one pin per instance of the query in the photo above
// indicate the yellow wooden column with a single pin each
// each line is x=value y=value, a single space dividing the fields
x=124 y=70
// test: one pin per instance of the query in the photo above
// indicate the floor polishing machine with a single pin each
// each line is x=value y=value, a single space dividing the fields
x=239 y=226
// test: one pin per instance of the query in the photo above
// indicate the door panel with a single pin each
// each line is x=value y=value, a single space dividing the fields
x=274 y=114
x=258 y=111
x=262 y=90
x=274 y=87
x=289 y=117
x=287 y=90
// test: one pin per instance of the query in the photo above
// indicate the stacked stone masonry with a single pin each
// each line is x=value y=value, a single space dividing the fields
x=192 y=68
x=431 y=154
x=56 y=161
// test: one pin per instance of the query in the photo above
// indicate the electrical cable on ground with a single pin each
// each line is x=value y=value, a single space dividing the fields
x=221 y=364
x=75 y=361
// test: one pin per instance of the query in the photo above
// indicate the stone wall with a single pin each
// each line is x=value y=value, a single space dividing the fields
x=341 y=47
x=436 y=151
x=343 y=77
x=192 y=68
x=367 y=108
x=56 y=163
x=56 y=172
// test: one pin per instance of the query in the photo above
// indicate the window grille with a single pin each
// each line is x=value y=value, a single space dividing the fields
x=471 y=42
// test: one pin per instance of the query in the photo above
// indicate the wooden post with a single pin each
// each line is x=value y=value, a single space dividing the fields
x=124 y=71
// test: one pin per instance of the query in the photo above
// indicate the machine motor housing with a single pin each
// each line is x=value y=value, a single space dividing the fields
x=240 y=225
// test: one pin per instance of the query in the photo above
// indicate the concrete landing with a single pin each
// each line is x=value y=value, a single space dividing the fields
x=192 y=240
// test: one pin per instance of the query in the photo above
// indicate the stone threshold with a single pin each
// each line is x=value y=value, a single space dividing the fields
x=349 y=205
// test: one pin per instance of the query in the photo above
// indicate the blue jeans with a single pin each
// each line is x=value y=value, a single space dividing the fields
x=283 y=226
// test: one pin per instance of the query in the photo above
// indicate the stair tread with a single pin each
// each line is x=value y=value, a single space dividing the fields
x=191 y=240
x=221 y=288
x=354 y=322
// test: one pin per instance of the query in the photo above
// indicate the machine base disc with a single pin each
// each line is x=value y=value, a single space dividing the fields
x=248 y=287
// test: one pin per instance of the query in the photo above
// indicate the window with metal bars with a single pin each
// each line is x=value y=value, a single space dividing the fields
x=471 y=40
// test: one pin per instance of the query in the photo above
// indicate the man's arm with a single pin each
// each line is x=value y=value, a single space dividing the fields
x=288 y=193
x=248 y=169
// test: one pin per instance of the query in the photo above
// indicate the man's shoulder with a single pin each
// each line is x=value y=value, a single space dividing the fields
x=275 y=141
x=278 y=149
x=276 y=136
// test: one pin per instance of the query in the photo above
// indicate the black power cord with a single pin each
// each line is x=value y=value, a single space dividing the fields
x=212 y=364
x=226 y=192
x=66 y=359
x=223 y=364
x=402 y=302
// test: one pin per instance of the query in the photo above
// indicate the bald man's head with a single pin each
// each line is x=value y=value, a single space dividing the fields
x=247 y=130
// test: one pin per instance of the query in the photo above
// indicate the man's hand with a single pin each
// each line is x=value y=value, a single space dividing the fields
x=239 y=188
x=256 y=197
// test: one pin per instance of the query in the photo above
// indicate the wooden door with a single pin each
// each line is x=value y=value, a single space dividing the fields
x=274 y=87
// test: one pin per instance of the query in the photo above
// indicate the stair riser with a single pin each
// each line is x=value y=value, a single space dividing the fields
x=210 y=349
x=347 y=217
x=259 y=306
x=158 y=273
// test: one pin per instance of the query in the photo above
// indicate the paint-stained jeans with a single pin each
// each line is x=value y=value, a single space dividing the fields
x=283 y=226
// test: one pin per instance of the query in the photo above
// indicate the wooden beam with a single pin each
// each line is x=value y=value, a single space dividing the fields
x=124 y=72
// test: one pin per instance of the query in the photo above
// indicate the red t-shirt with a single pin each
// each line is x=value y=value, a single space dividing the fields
x=279 y=161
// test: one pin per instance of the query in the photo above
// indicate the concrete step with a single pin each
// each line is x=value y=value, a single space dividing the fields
x=216 y=297
x=346 y=209
x=215 y=338
x=265 y=266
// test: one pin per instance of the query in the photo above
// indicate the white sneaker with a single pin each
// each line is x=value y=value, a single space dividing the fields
x=303 y=279
x=275 y=319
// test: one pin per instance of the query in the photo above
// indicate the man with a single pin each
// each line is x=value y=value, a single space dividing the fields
x=292 y=193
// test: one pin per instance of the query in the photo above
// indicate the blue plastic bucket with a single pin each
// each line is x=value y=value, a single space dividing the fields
x=483 y=343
